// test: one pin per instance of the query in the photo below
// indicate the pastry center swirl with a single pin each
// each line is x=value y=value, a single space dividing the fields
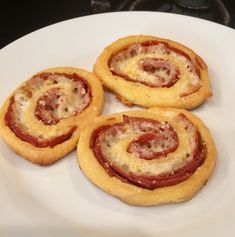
x=157 y=141
x=148 y=153
x=43 y=101
x=154 y=64
x=60 y=103
x=164 y=72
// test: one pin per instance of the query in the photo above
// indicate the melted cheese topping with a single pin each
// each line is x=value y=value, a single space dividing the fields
x=71 y=100
x=114 y=148
x=127 y=63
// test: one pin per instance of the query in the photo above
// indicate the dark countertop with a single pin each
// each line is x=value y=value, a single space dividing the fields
x=19 y=18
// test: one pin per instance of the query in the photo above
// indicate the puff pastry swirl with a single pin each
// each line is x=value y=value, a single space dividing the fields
x=151 y=71
x=148 y=157
x=41 y=119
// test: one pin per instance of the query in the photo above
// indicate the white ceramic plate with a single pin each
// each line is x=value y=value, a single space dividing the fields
x=58 y=200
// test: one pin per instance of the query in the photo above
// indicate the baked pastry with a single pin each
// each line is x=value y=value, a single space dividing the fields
x=148 y=157
x=41 y=119
x=151 y=71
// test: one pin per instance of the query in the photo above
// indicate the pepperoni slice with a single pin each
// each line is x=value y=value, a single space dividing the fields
x=153 y=140
x=143 y=145
x=47 y=105
x=151 y=63
x=55 y=104
x=166 y=74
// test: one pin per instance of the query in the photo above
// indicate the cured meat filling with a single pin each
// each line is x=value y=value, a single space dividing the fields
x=156 y=64
x=59 y=103
x=148 y=153
x=52 y=97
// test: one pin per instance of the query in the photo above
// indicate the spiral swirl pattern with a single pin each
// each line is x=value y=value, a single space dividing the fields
x=149 y=153
x=43 y=115
x=43 y=100
x=165 y=73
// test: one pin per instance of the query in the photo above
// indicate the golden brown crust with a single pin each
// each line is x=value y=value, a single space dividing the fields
x=48 y=155
x=135 y=195
x=124 y=101
x=146 y=96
